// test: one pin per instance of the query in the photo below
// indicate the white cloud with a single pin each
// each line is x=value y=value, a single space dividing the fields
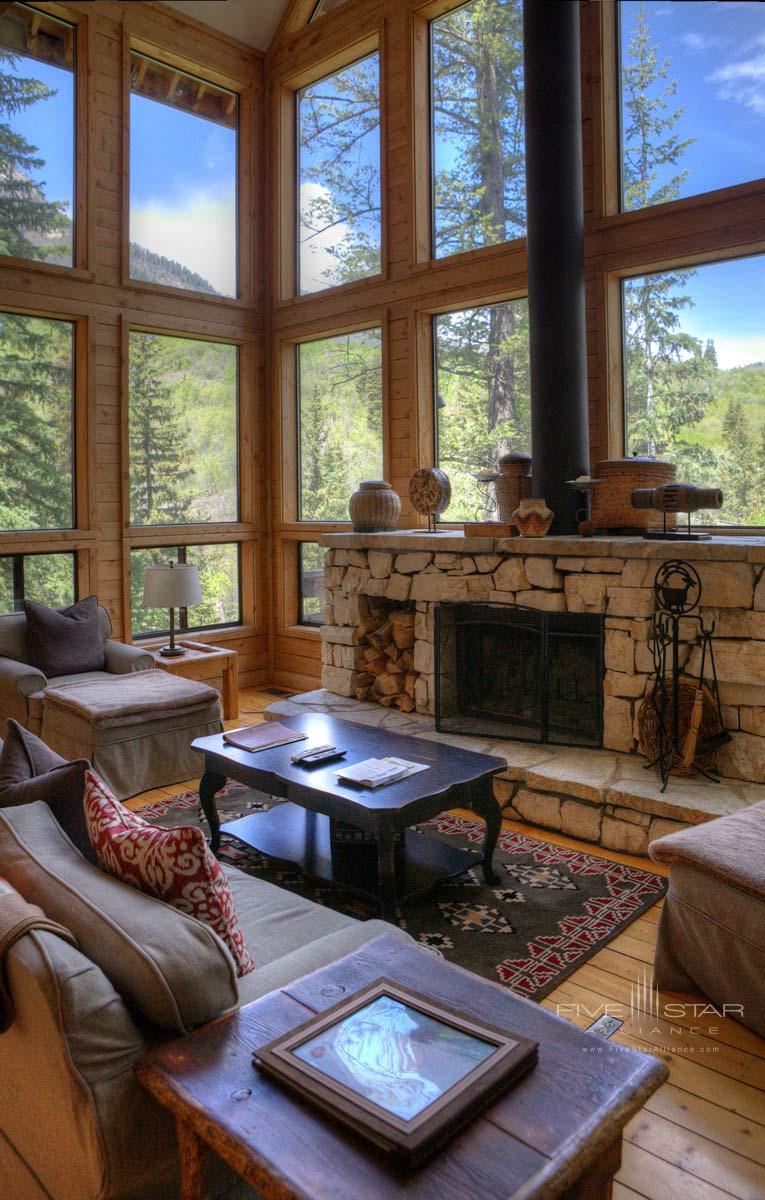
x=697 y=43
x=199 y=234
x=318 y=266
x=742 y=82
x=739 y=350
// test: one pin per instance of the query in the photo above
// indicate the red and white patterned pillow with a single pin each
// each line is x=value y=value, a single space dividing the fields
x=175 y=865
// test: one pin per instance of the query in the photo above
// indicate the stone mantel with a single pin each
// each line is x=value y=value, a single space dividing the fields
x=721 y=548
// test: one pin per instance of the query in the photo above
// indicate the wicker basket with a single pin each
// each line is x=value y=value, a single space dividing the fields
x=612 y=498
x=649 y=728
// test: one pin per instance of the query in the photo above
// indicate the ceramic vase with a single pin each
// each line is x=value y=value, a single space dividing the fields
x=532 y=517
x=374 y=507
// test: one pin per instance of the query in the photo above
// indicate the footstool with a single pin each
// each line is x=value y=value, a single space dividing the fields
x=136 y=729
x=712 y=929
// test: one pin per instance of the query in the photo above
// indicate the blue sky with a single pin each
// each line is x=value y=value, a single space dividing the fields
x=49 y=125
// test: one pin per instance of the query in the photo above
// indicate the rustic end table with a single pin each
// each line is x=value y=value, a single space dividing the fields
x=202 y=662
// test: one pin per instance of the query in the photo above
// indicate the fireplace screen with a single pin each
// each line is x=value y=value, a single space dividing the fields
x=512 y=672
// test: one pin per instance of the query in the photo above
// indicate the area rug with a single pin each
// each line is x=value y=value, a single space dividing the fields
x=552 y=910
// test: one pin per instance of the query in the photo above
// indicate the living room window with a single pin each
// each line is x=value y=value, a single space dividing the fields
x=338 y=177
x=692 y=110
x=183 y=179
x=482 y=400
x=45 y=578
x=694 y=378
x=219 y=566
x=310 y=584
x=37 y=422
x=340 y=414
x=37 y=151
x=182 y=430
x=478 y=179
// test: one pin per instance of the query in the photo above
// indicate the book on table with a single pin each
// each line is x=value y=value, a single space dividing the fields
x=376 y=772
x=262 y=737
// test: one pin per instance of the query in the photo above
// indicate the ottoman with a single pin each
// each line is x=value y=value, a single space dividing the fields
x=136 y=729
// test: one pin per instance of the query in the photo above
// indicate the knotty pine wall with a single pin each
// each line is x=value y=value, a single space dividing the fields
x=100 y=296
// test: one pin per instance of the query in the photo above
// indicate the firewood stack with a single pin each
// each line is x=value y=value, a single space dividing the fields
x=387 y=661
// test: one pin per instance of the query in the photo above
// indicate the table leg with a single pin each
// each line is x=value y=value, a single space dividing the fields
x=211 y=783
x=386 y=875
x=231 y=689
x=487 y=807
x=193 y=1156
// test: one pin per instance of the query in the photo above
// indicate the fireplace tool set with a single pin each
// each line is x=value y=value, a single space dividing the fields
x=681 y=725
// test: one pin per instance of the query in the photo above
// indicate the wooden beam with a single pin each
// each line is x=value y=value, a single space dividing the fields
x=33 y=30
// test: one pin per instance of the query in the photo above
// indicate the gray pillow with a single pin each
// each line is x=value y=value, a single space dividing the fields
x=64 y=641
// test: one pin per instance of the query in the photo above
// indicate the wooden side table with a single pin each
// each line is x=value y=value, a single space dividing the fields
x=202 y=662
x=556 y=1135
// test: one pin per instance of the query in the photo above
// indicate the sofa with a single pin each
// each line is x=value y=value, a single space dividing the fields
x=22 y=685
x=74 y=1122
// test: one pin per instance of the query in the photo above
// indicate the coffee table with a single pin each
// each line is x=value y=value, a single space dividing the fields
x=395 y=865
x=556 y=1134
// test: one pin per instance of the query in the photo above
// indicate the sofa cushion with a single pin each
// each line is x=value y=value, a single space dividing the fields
x=60 y=641
x=170 y=968
x=30 y=770
x=175 y=865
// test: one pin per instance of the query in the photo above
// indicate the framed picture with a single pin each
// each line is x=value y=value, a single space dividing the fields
x=401 y=1068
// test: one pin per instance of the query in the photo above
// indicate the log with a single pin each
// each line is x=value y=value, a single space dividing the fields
x=409 y=682
x=379 y=637
x=393 y=667
x=364 y=678
x=362 y=693
x=404 y=703
x=389 y=685
x=389 y=701
x=406 y=659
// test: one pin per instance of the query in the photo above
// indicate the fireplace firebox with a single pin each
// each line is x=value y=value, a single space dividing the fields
x=512 y=672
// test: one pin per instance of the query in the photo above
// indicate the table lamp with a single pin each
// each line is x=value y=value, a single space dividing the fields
x=171 y=586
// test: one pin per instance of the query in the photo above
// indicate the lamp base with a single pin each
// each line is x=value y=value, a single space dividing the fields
x=172 y=651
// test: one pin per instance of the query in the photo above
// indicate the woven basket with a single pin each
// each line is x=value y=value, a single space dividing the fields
x=612 y=498
x=649 y=728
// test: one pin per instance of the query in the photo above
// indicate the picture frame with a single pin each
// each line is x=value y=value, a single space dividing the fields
x=403 y=1069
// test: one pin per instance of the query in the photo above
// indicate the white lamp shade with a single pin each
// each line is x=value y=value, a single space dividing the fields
x=171 y=586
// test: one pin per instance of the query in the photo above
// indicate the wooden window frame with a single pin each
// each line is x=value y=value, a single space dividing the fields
x=285 y=254
x=183 y=626
x=17 y=558
x=85 y=180
x=249 y=149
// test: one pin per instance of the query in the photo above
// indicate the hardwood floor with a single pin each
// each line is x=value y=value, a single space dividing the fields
x=702 y=1136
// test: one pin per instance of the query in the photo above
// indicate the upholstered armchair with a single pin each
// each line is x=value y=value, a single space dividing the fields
x=22 y=685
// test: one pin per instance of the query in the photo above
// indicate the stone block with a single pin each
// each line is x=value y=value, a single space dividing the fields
x=751 y=720
x=728 y=584
x=618 y=683
x=629 y=814
x=376 y=587
x=342 y=558
x=327 y=650
x=423 y=657
x=448 y=562
x=505 y=789
x=731 y=717
x=424 y=624
x=747 y=695
x=586 y=593
x=398 y=587
x=660 y=827
x=439 y=587
x=736 y=661
x=358 y=558
x=468 y=565
x=743 y=758
x=338 y=680
x=541 y=573
x=356 y=579
x=380 y=563
x=421 y=694
x=342 y=635
x=334 y=576
x=548 y=601
x=623 y=836
x=501 y=597
x=538 y=807
x=619 y=651
x=629 y=602
x=570 y=564
x=348 y=657
x=411 y=563
x=349 y=610
x=486 y=563
x=478 y=587
x=604 y=566
x=617 y=724
x=639 y=572
x=581 y=820
x=759 y=593
x=510 y=576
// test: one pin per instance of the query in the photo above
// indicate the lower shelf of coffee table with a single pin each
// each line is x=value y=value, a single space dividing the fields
x=293 y=834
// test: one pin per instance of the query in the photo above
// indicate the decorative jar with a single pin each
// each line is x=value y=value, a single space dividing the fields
x=374 y=507
x=532 y=517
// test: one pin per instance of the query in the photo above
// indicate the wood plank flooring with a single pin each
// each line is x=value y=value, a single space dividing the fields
x=702 y=1136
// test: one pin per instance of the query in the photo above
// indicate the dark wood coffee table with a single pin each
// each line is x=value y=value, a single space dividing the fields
x=396 y=865
x=556 y=1134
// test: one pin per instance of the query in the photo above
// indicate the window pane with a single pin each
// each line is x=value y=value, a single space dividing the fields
x=219 y=576
x=311 y=583
x=694 y=362
x=692 y=99
x=6 y=585
x=479 y=173
x=37 y=142
x=36 y=423
x=49 y=579
x=339 y=177
x=340 y=418
x=482 y=398
x=183 y=160
x=183 y=430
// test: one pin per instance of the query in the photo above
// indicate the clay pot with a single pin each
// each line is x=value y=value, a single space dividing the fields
x=532 y=517
x=374 y=507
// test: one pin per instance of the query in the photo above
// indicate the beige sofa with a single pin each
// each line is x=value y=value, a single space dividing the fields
x=74 y=1123
x=22 y=685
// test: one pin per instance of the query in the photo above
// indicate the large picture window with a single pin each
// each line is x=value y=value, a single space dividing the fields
x=478 y=156
x=339 y=420
x=46 y=578
x=183 y=430
x=183 y=175
x=482 y=398
x=36 y=423
x=338 y=122
x=694 y=379
x=692 y=98
x=37 y=105
x=220 y=579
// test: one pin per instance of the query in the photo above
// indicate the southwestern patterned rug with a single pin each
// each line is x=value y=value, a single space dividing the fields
x=553 y=909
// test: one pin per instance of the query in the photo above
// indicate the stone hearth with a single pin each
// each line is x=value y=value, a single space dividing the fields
x=608 y=575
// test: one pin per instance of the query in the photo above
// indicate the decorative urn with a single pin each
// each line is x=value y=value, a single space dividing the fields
x=374 y=507
x=532 y=517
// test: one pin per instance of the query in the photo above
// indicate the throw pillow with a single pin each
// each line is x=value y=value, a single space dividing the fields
x=66 y=641
x=30 y=770
x=175 y=865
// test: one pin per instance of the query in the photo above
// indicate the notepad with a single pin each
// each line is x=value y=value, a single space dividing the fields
x=376 y=772
x=263 y=737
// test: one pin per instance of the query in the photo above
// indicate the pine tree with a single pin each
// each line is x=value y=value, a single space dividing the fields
x=159 y=440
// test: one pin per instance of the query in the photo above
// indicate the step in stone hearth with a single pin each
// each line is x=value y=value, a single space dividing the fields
x=597 y=795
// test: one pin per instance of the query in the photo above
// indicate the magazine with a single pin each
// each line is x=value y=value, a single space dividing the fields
x=376 y=772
